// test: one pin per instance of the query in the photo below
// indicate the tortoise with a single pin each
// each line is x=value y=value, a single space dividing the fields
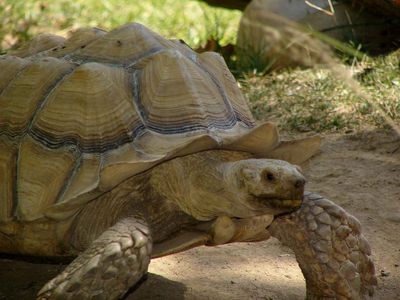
x=122 y=146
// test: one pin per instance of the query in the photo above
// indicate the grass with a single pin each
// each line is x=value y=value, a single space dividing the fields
x=298 y=100
x=191 y=21
x=313 y=100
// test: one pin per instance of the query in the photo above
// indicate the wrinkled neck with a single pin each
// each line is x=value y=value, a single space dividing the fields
x=197 y=183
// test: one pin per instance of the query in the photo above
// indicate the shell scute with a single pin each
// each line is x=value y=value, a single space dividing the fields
x=8 y=162
x=21 y=99
x=216 y=66
x=10 y=66
x=42 y=175
x=173 y=102
x=124 y=45
x=40 y=43
x=78 y=39
x=92 y=109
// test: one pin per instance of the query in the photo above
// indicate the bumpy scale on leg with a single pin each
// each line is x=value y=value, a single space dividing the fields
x=113 y=263
x=332 y=253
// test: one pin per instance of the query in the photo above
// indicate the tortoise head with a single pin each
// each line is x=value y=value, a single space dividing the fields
x=266 y=186
x=217 y=183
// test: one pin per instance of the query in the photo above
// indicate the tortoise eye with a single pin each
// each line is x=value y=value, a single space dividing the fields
x=269 y=176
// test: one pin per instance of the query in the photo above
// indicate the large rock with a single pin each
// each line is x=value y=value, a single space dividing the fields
x=268 y=30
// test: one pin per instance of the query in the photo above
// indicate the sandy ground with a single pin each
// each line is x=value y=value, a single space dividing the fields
x=361 y=172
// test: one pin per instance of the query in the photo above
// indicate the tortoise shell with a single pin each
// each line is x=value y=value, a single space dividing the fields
x=79 y=118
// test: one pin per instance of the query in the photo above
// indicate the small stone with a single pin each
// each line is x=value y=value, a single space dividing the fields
x=396 y=265
x=384 y=273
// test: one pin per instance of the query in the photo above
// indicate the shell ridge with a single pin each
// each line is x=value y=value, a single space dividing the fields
x=39 y=136
x=148 y=54
x=135 y=87
x=68 y=180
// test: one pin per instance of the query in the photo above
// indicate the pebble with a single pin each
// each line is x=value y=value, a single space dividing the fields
x=384 y=273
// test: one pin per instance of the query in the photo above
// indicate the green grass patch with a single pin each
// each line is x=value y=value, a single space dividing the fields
x=191 y=21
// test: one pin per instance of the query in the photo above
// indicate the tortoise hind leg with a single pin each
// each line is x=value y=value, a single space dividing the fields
x=113 y=263
x=331 y=251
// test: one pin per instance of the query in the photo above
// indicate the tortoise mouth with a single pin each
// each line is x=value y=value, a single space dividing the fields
x=278 y=205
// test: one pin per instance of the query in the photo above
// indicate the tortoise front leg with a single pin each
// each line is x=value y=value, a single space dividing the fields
x=331 y=251
x=113 y=263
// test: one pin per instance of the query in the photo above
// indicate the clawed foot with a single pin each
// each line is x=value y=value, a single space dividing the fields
x=331 y=251
x=108 y=268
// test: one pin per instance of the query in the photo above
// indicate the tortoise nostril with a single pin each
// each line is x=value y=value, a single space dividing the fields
x=299 y=183
x=269 y=176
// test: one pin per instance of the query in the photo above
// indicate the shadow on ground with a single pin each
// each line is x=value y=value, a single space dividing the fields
x=22 y=278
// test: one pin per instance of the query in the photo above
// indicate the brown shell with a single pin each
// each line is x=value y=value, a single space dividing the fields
x=78 y=118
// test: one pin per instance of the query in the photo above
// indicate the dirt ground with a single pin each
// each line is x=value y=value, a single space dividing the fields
x=361 y=172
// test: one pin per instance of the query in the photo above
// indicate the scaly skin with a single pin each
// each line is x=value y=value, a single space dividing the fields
x=331 y=251
x=114 y=262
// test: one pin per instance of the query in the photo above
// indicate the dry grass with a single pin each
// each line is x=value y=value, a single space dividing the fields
x=313 y=100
